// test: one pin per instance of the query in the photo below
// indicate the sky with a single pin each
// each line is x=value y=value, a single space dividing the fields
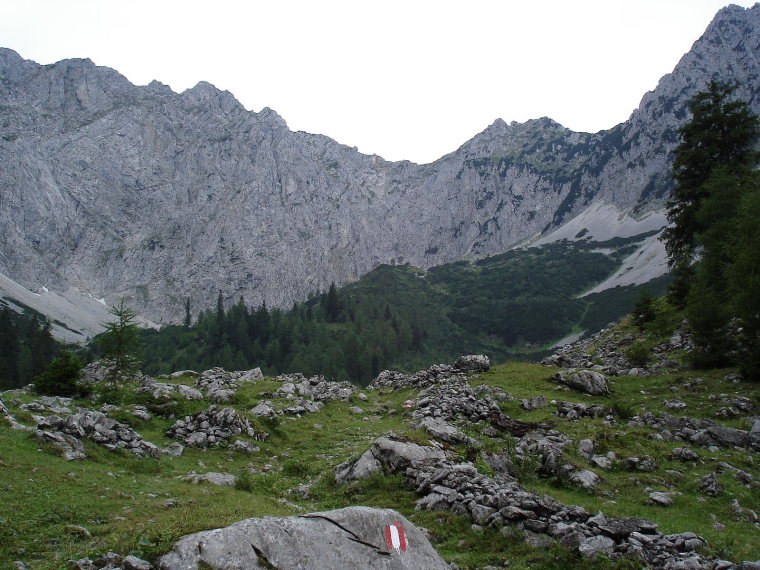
x=404 y=79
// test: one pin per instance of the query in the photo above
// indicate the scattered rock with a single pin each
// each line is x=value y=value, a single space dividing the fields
x=534 y=403
x=585 y=478
x=212 y=478
x=212 y=427
x=660 y=499
x=134 y=563
x=710 y=485
x=99 y=428
x=70 y=448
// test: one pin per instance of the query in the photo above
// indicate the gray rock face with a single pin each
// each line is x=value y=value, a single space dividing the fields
x=354 y=537
x=162 y=196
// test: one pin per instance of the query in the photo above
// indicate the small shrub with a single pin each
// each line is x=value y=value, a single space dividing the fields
x=298 y=468
x=623 y=410
x=638 y=354
x=61 y=376
x=244 y=482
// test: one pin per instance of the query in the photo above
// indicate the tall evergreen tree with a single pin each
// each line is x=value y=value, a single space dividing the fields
x=720 y=134
x=188 y=319
x=714 y=170
x=121 y=340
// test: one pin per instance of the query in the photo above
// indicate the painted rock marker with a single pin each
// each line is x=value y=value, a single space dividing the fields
x=394 y=537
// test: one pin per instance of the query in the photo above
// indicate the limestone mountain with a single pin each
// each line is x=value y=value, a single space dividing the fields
x=116 y=189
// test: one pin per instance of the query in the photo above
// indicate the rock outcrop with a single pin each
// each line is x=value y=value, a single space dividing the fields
x=95 y=426
x=460 y=488
x=212 y=427
x=353 y=537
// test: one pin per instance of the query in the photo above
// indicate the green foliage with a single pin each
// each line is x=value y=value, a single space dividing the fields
x=519 y=302
x=743 y=276
x=713 y=213
x=61 y=376
x=26 y=345
x=121 y=340
x=720 y=135
x=638 y=353
x=643 y=311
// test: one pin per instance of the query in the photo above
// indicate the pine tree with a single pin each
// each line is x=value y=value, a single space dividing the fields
x=720 y=134
x=121 y=340
x=714 y=224
x=188 y=319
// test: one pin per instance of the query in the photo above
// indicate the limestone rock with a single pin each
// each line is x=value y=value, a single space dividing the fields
x=473 y=363
x=354 y=537
x=70 y=447
x=585 y=478
x=595 y=545
x=212 y=478
x=131 y=562
x=588 y=381
x=442 y=431
x=660 y=499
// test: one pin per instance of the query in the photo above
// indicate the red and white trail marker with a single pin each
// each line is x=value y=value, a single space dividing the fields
x=394 y=537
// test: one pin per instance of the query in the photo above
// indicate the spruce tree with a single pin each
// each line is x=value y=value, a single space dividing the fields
x=720 y=134
x=121 y=340
x=707 y=242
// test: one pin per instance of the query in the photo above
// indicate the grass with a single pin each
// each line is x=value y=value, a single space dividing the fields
x=142 y=506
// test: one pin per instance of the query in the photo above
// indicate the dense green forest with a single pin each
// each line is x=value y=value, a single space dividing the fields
x=26 y=345
x=513 y=305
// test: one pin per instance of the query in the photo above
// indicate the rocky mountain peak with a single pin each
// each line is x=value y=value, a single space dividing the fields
x=122 y=190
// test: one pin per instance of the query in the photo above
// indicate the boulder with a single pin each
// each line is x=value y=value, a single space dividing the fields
x=212 y=478
x=660 y=499
x=534 y=403
x=442 y=431
x=353 y=537
x=70 y=448
x=586 y=449
x=587 y=381
x=391 y=456
x=264 y=409
x=585 y=478
x=362 y=468
x=189 y=393
x=473 y=363
x=710 y=485
x=597 y=545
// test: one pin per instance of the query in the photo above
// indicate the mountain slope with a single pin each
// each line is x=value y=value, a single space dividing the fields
x=116 y=189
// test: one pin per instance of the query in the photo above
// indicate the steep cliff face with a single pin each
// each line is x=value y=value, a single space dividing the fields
x=118 y=190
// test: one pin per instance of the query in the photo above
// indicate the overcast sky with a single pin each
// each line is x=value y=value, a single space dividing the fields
x=405 y=79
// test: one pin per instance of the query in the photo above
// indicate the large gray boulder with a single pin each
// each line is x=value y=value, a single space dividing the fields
x=390 y=456
x=473 y=363
x=344 y=539
x=588 y=381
